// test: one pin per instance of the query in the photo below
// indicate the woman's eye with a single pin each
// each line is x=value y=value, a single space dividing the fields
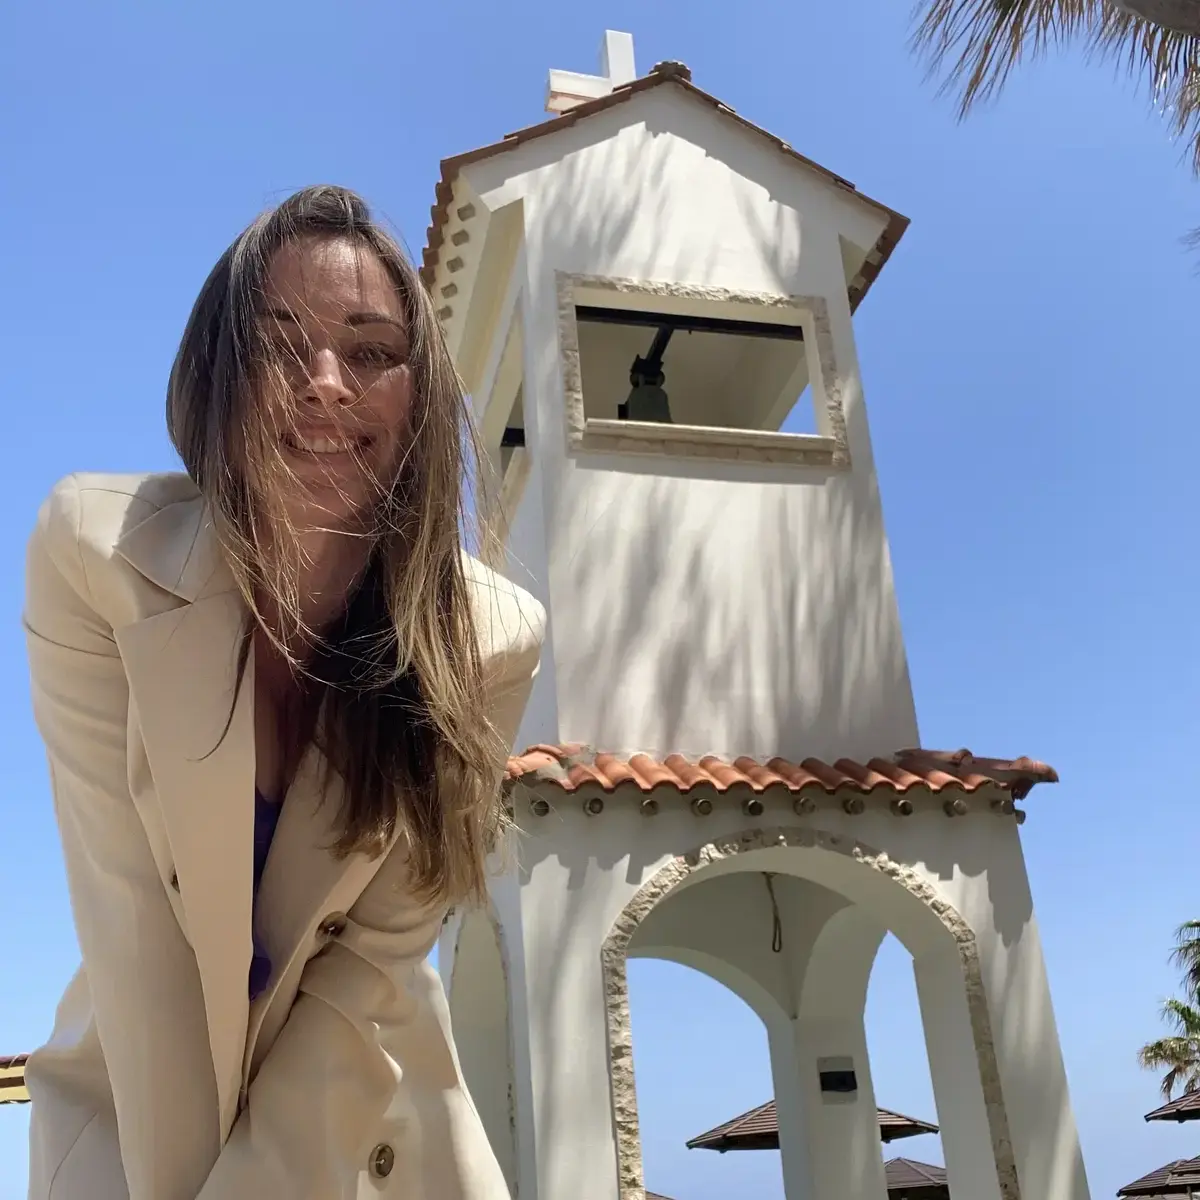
x=375 y=355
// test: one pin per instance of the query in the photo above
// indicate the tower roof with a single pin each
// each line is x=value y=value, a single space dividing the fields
x=676 y=75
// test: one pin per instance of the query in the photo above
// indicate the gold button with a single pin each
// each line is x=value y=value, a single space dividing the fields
x=383 y=1159
x=333 y=926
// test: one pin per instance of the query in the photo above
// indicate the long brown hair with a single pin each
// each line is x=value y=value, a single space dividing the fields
x=397 y=682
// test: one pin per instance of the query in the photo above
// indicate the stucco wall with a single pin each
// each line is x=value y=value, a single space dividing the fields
x=733 y=607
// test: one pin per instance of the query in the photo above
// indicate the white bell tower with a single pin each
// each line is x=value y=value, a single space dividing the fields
x=651 y=300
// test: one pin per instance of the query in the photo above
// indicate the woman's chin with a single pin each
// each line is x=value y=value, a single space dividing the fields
x=325 y=505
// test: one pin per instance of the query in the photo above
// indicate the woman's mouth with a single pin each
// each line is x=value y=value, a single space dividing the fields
x=325 y=444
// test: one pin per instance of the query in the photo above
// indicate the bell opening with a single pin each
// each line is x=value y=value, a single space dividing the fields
x=670 y=368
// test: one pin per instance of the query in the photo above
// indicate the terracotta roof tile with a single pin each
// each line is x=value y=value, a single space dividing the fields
x=573 y=766
x=1179 y=1178
x=758 y=1129
x=667 y=72
x=1186 y=1108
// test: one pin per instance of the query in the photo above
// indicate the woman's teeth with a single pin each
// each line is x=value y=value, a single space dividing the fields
x=324 y=445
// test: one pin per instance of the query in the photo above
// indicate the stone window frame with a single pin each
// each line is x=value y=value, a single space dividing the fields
x=830 y=450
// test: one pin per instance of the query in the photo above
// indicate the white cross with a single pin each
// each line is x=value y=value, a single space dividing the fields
x=567 y=89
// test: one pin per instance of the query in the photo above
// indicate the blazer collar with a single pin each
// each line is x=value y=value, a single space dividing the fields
x=177 y=548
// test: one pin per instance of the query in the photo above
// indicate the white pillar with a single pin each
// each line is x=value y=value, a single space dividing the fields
x=1021 y=1070
x=829 y=1142
x=954 y=1070
x=479 y=1011
x=1033 y=1079
x=568 y=1105
x=506 y=899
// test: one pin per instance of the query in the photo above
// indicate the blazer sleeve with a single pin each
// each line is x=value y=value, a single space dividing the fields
x=364 y=1075
x=118 y=899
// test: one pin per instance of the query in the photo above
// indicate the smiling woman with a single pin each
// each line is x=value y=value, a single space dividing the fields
x=276 y=697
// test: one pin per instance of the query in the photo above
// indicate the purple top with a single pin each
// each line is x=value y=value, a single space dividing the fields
x=266 y=818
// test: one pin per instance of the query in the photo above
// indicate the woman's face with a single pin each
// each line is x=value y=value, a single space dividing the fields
x=341 y=387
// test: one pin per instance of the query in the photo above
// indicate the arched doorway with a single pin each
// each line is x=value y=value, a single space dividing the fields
x=831 y=901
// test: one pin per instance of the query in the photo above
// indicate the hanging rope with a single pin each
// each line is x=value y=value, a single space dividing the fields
x=776 y=923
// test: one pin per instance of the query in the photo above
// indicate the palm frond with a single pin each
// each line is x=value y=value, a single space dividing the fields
x=1184 y=1019
x=1168 y=63
x=1178 y=1057
x=976 y=44
x=1186 y=955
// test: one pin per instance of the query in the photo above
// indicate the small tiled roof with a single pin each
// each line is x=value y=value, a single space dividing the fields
x=903 y=1177
x=1186 y=1108
x=573 y=766
x=907 y=1178
x=758 y=1129
x=907 y=1172
x=1179 y=1178
x=678 y=75
x=12 y=1079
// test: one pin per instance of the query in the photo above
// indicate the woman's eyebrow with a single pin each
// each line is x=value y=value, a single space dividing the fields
x=353 y=319
x=373 y=318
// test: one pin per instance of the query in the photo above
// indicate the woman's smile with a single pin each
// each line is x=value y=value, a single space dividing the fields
x=327 y=446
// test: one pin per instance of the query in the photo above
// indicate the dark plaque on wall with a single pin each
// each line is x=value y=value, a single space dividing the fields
x=838 y=1081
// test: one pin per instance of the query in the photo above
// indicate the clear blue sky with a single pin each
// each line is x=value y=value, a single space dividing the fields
x=1027 y=374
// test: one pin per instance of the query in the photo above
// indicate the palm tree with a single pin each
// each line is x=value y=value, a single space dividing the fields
x=976 y=43
x=1186 y=956
x=1178 y=1056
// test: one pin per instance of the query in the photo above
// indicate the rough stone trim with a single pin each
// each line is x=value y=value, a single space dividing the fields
x=613 y=956
x=830 y=451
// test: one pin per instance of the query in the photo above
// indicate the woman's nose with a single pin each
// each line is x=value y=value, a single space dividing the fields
x=328 y=381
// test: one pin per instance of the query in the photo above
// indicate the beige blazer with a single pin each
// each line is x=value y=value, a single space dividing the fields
x=161 y=1081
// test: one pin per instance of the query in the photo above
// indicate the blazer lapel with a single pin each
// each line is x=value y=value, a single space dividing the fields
x=198 y=731
x=303 y=884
